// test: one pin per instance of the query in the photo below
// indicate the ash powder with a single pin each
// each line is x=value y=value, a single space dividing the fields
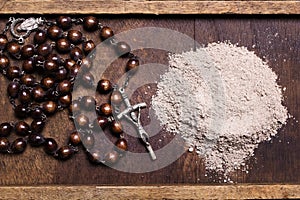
x=223 y=100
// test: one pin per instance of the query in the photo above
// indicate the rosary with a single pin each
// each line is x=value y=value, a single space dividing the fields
x=43 y=85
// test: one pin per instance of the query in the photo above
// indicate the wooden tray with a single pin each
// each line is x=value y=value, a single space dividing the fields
x=275 y=172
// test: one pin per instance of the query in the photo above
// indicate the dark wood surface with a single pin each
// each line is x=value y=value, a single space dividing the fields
x=277 y=161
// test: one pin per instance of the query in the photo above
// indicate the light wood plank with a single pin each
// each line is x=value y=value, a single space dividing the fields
x=148 y=7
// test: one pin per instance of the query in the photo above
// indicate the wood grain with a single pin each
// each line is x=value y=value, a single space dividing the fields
x=152 y=192
x=147 y=7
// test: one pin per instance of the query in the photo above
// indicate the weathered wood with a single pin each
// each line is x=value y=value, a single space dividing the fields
x=148 y=7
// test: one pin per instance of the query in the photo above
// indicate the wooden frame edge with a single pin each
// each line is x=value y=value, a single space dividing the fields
x=151 y=192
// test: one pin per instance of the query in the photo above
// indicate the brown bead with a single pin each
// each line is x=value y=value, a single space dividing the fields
x=61 y=74
x=65 y=152
x=28 y=65
x=51 y=66
x=3 y=41
x=64 y=87
x=63 y=45
x=22 y=128
x=116 y=127
x=88 y=141
x=65 y=100
x=4 y=61
x=88 y=79
x=36 y=140
x=64 y=22
x=47 y=82
x=123 y=48
x=54 y=57
x=106 y=32
x=13 y=89
x=106 y=109
x=76 y=53
x=36 y=112
x=50 y=145
x=94 y=157
x=28 y=79
x=132 y=65
x=21 y=111
x=54 y=32
x=104 y=86
x=5 y=129
x=19 y=145
x=38 y=93
x=88 y=46
x=27 y=51
x=4 y=145
x=37 y=126
x=74 y=36
x=49 y=107
x=74 y=71
x=40 y=37
x=13 y=72
x=44 y=49
x=24 y=95
x=13 y=48
x=111 y=158
x=75 y=138
x=86 y=64
x=81 y=121
x=116 y=98
x=90 y=23
x=121 y=144
x=88 y=103
x=74 y=107
x=100 y=121
x=69 y=63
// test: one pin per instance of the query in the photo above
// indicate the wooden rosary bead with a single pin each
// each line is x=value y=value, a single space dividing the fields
x=74 y=71
x=38 y=93
x=64 y=87
x=111 y=158
x=88 y=103
x=54 y=57
x=22 y=128
x=54 y=32
x=63 y=46
x=88 y=141
x=47 y=82
x=106 y=109
x=104 y=86
x=4 y=61
x=64 y=22
x=132 y=65
x=28 y=65
x=69 y=63
x=116 y=98
x=65 y=152
x=74 y=107
x=28 y=80
x=36 y=113
x=36 y=139
x=49 y=107
x=24 y=95
x=20 y=111
x=121 y=144
x=19 y=145
x=94 y=157
x=27 y=51
x=88 y=79
x=123 y=48
x=5 y=129
x=101 y=121
x=90 y=23
x=81 y=121
x=50 y=145
x=75 y=138
x=76 y=53
x=74 y=36
x=3 y=41
x=116 y=128
x=37 y=126
x=44 y=49
x=65 y=100
x=106 y=32
x=88 y=47
x=40 y=37
x=13 y=48
x=13 y=72
x=51 y=66
x=4 y=145
x=13 y=89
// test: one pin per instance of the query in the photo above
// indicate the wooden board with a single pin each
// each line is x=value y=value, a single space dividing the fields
x=148 y=7
x=275 y=162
